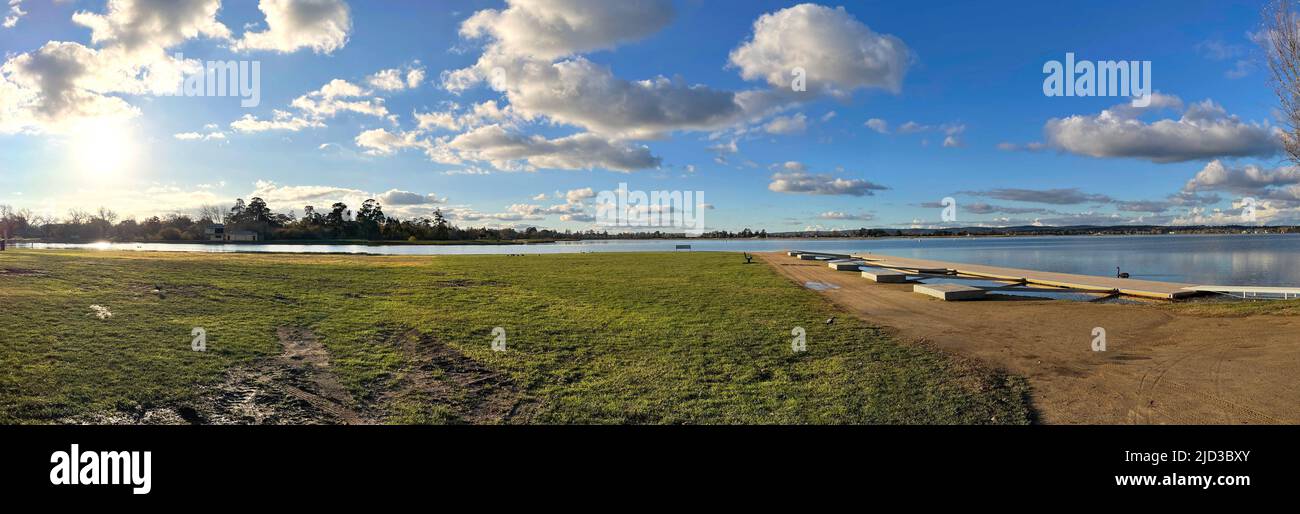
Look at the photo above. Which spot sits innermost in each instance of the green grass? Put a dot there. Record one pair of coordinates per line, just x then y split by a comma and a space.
593, 338
1238, 308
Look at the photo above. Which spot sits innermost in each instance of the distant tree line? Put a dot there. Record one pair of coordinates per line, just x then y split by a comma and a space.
370, 223
339, 222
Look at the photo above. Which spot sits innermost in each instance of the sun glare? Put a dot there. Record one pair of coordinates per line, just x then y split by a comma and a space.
103, 150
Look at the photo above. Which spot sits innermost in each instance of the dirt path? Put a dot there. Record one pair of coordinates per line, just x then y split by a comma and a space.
1159, 367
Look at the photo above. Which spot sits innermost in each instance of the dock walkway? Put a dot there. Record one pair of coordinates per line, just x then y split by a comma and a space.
1126, 286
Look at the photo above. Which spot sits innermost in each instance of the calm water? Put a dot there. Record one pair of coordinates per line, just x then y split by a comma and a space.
1260, 260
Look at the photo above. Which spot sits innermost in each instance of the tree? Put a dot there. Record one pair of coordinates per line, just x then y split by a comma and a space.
258, 212
369, 218
312, 218
440, 229
212, 213
1282, 44
237, 212
371, 211
337, 219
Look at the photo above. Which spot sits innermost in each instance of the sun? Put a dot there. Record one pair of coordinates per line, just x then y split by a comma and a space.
103, 149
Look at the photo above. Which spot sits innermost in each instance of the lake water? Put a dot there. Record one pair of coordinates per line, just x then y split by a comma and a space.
1239, 260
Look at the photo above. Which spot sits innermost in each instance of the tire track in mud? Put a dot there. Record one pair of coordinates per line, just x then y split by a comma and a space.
438, 375
295, 387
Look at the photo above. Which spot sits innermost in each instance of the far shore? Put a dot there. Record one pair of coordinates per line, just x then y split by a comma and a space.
494, 242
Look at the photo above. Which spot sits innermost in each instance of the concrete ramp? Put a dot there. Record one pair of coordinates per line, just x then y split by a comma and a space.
884, 276
949, 292
849, 265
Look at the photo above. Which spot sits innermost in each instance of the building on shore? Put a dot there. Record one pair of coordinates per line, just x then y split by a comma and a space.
219, 233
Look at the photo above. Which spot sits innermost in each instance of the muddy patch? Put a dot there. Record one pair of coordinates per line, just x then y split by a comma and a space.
438, 384
452, 386
163, 291
296, 387
465, 283
21, 272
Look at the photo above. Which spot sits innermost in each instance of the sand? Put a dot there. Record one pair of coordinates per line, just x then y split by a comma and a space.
1159, 367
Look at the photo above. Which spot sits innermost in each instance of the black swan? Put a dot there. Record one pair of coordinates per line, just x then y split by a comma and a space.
1120, 274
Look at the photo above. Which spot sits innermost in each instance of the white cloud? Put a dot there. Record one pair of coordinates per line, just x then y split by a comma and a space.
534, 58
63, 84
578, 195
549, 29
838, 52
397, 79
530, 35
821, 184
195, 136
281, 120
484, 113
507, 151
1279, 184
321, 25
913, 127
148, 28
787, 125
414, 77
383, 142
837, 215
1205, 131
15, 12
57, 87
340, 96
398, 197
581, 93
878, 125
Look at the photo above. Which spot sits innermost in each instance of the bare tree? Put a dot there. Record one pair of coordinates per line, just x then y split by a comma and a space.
106, 215
78, 216
1281, 39
213, 213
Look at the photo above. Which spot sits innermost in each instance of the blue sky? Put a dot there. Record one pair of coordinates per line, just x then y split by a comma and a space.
966, 75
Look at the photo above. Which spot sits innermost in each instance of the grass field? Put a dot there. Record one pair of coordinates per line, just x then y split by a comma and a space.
697, 338
1238, 309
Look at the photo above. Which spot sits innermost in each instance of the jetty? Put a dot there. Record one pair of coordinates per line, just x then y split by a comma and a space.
904, 270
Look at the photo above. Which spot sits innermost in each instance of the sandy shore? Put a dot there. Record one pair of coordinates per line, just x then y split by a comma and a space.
1160, 366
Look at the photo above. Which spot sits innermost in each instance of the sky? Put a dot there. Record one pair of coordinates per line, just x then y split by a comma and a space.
519, 113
